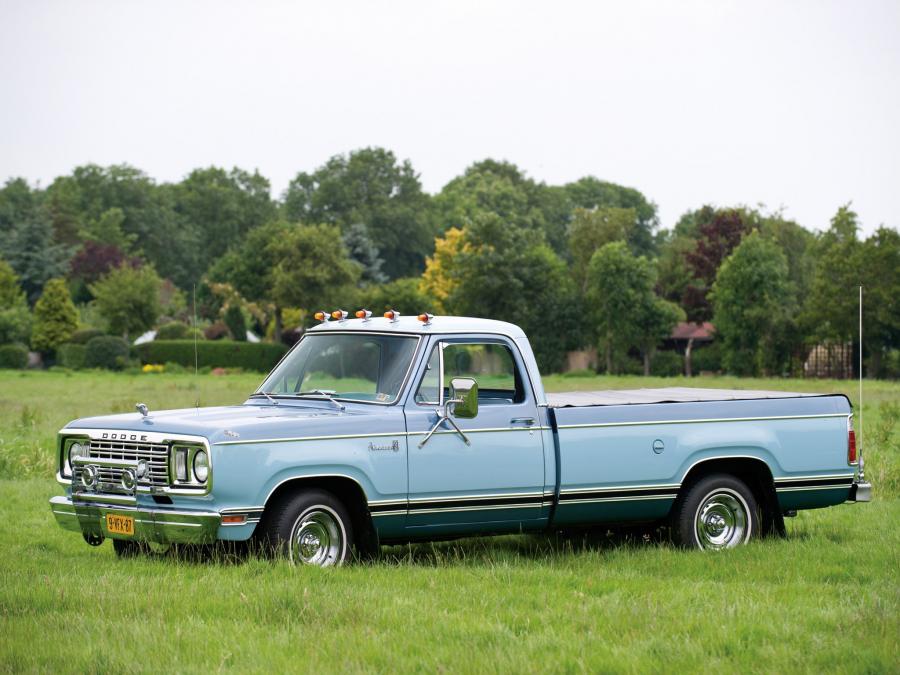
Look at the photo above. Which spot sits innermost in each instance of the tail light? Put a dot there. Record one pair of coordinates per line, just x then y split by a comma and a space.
851, 442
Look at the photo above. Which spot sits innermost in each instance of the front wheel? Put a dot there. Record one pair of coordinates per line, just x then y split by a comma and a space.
310, 527
717, 512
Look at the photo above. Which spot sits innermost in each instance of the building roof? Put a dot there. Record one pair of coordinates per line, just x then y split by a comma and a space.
411, 324
699, 331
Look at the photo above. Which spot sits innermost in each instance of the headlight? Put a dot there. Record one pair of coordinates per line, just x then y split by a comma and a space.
75, 450
201, 466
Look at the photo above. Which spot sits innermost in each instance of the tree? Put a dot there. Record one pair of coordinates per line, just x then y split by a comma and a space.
369, 187
312, 268
718, 234
107, 229
128, 299
55, 317
624, 307
237, 324
592, 193
750, 303
363, 250
438, 281
403, 295
15, 319
591, 230
508, 273
880, 262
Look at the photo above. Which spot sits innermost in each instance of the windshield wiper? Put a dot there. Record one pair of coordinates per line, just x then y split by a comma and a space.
326, 393
267, 394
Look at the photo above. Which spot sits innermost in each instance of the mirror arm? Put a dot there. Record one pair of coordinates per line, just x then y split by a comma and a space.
445, 418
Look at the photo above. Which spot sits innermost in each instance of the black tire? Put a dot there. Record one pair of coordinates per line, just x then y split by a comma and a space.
308, 527
128, 548
718, 511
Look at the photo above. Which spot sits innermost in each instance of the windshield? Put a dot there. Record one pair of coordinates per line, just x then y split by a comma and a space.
361, 367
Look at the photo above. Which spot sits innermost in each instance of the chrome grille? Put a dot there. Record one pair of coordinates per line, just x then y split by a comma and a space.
156, 455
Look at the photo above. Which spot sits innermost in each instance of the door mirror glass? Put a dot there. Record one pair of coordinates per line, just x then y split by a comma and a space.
464, 394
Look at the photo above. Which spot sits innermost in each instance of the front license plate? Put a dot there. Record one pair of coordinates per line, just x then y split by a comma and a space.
119, 524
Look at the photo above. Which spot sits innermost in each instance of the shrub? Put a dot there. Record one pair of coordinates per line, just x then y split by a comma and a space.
71, 355
260, 356
174, 330
667, 364
215, 331
237, 325
106, 351
13, 356
707, 359
85, 335
55, 317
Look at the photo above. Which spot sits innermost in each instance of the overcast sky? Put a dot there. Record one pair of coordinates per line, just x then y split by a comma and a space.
795, 105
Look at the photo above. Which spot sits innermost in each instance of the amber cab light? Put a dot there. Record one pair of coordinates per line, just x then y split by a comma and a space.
392, 315
339, 315
851, 442
425, 318
320, 316
363, 314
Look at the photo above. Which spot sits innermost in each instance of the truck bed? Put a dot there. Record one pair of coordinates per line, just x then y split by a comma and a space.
582, 399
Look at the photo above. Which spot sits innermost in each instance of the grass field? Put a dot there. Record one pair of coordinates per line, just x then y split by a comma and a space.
827, 598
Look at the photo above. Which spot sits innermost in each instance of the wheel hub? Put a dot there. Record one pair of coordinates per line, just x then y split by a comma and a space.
722, 521
317, 539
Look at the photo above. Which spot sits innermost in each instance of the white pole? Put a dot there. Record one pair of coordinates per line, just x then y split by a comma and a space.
859, 432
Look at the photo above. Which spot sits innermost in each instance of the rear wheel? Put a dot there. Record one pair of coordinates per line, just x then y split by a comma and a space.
310, 527
717, 512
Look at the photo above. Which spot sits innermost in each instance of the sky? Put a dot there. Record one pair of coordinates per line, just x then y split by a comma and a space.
794, 105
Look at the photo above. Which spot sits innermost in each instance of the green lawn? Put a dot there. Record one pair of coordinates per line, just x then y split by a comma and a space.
827, 598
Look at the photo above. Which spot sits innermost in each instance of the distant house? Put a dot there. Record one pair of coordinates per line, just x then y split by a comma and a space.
686, 336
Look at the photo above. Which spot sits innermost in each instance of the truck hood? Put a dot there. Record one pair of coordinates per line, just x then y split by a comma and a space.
248, 421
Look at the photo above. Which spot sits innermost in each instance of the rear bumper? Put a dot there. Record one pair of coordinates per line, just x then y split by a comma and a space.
164, 526
860, 492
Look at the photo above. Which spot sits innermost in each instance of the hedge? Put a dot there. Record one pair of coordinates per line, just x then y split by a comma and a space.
13, 356
85, 335
106, 351
667, 364
71, 355
259, 356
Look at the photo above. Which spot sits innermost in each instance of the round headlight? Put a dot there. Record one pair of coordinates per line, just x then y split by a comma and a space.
89, 476
76, 450
128, 480
201, 466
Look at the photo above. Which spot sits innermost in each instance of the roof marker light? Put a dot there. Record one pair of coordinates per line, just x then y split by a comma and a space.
363, 314
339, 314
392, 315
321, 316
425, 318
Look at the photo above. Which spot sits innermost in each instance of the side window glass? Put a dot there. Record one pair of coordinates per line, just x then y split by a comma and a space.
429, 392
492, 365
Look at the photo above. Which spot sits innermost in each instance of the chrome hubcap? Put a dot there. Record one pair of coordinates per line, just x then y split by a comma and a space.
317, 538
722, 521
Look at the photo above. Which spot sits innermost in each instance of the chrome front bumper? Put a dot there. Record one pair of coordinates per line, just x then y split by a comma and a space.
861, 492
164, 526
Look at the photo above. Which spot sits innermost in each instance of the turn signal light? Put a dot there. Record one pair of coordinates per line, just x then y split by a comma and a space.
339, 315
363, 314
425, 318
320, 316
233, 520
392, 315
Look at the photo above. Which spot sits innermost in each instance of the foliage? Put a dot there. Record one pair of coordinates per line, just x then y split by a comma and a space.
71, 355
368, 187
403, 295
55, 317
215, 331
106, 351
591, 231
259, 356
750, 298
625, 309
28, 246
438, 282
237, 324
312, 268
128, 299
707, 359
15, 318
173, 330
13, 356
363, 250
667, 364
84, 335
107, 229
880, 260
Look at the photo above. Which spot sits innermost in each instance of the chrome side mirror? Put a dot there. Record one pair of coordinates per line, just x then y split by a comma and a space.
464, 397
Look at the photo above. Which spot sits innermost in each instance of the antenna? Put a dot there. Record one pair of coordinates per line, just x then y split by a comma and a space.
859, 433
194, 303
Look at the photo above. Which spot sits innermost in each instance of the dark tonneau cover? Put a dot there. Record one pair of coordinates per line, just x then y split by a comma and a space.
580, 399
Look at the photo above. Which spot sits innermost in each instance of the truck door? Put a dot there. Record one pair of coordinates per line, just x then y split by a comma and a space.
494, 483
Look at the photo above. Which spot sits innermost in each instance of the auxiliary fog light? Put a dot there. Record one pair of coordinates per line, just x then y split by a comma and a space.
143, 469
89, 476
128, 480
201, 466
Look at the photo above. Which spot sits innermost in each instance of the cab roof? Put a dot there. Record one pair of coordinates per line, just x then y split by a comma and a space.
411, 324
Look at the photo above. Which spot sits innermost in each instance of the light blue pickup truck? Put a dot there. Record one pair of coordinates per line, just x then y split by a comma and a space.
396, 429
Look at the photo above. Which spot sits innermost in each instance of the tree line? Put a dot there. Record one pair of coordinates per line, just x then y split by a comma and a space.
584, 264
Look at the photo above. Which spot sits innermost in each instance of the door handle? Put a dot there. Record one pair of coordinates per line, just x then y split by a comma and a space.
527, 421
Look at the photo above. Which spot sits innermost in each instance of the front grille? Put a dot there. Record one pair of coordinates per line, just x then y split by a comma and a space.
156, 455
